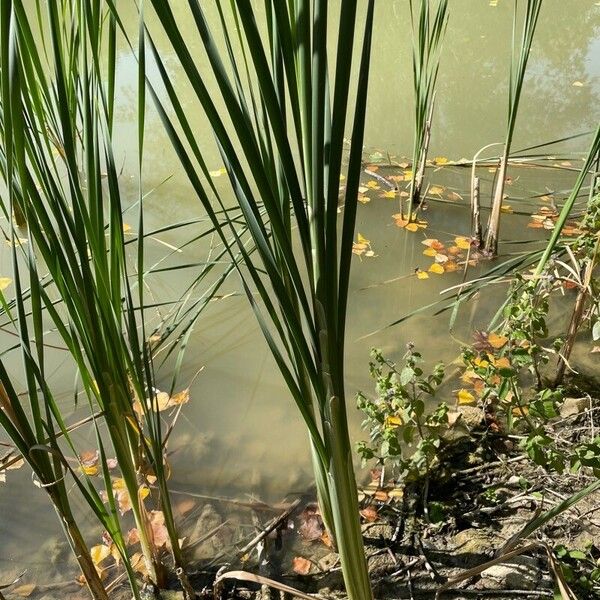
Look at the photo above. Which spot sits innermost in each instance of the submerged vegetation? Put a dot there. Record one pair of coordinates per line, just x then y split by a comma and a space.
453, 448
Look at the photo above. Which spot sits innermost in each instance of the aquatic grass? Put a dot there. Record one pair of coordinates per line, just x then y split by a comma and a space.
428, 32
59, 167
520, 52
283, 158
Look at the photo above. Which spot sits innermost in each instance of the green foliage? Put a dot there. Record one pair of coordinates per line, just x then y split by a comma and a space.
403, 433
581, 569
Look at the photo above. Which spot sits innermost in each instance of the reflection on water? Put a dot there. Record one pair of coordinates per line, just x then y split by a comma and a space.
241, 433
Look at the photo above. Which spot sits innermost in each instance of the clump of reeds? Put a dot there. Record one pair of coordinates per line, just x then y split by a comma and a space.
428, 31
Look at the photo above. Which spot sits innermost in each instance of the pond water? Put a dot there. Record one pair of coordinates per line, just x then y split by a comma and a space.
240, 435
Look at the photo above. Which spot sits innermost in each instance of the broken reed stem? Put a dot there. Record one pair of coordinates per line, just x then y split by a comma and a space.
421, 161
476, 231
493, 229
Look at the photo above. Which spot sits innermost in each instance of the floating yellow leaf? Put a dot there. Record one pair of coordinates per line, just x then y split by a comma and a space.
373, 185
462, 242
411, 227
450, 266
4, 283
362, 239
99, 553
436, 268
363, 199
441, 160
506, 208
126, 228
218, 172
182, 397
433, 243
520, 411
408, 175
422, 274
496, 341
390, 194
429, 252
436, 190
465, 397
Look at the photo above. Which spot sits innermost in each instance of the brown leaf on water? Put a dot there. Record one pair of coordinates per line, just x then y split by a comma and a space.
301, 565
133, 537
89, 462
160, 535
185, 506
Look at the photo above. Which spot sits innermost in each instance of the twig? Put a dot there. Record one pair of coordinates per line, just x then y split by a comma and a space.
271, 526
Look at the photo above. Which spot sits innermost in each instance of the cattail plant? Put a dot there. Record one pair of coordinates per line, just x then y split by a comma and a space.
428, 31
283, 156
518, 65
60, 171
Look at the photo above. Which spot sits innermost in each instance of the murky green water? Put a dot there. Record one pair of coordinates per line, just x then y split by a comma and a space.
240, 434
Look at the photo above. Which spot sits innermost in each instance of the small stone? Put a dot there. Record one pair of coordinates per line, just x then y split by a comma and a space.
171, 595
520, 573
329, 561
573, 406
208, 520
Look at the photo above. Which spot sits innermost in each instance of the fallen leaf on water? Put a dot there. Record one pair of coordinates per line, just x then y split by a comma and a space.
218, 172
301, 565
436, 190
133, 537
362, 189
429, 252
182, 397
363, 199
440, 160
465, 397
99, 553
433, 243
160, 535
462, 242
403, 165
577, 84
89, 462
139, 564
422, 274
390, 194
411, 227
436, 268
185, 506
373, 185
24, 591
4, 283
441, 258
450, 266
453, 196
506, 208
